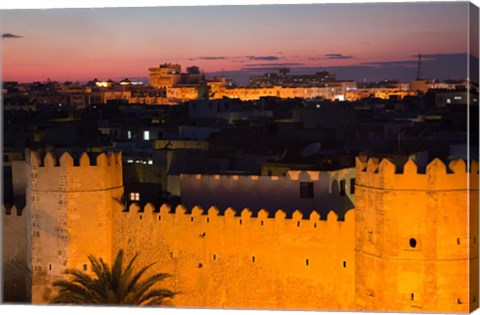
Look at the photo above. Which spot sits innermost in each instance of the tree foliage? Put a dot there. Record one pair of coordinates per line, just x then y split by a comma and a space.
111, 286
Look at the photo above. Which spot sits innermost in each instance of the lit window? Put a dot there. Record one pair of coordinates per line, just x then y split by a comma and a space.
150, 162
449, 101
129, 134
134, 196
457, 98
129, 161
146, 135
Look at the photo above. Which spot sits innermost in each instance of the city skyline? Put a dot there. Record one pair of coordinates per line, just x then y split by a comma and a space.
342, 38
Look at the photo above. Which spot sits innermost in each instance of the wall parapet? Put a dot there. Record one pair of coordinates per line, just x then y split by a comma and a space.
68, 172
12, 210
437, 176
199, 212
50, 159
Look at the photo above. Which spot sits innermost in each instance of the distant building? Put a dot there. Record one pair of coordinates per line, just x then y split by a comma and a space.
165, 75
284, 79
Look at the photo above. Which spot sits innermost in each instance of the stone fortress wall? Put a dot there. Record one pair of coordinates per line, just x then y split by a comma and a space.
408, 245
419, 231
70, 204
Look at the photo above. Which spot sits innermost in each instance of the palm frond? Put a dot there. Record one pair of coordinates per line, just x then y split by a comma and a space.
111, 285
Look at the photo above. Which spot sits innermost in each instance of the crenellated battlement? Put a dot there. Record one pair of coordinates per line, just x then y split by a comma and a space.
12, 211
66, 159
293, 175
437, 176
211, 214
79, 172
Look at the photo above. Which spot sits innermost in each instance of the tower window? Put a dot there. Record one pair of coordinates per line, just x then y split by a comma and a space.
306, 190
458, 241
85, 267
412, 296
253, 259
413, 243
344, 264
306, 262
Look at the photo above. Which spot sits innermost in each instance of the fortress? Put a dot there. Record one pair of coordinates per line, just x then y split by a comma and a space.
409, 243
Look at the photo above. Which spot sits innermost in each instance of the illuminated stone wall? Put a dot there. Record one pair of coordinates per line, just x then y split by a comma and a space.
243, 261
71, 209
412, 239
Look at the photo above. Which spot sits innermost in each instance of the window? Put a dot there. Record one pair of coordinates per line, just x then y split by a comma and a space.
146, 135
306, 190
129, 134
134, 196
85, 267
342, 187
344, 264
412, 296
352, 186
413, 243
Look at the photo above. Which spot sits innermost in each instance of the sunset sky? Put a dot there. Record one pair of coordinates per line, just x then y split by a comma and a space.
372, 39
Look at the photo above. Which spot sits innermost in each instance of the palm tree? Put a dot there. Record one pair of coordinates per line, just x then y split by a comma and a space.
111, 285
